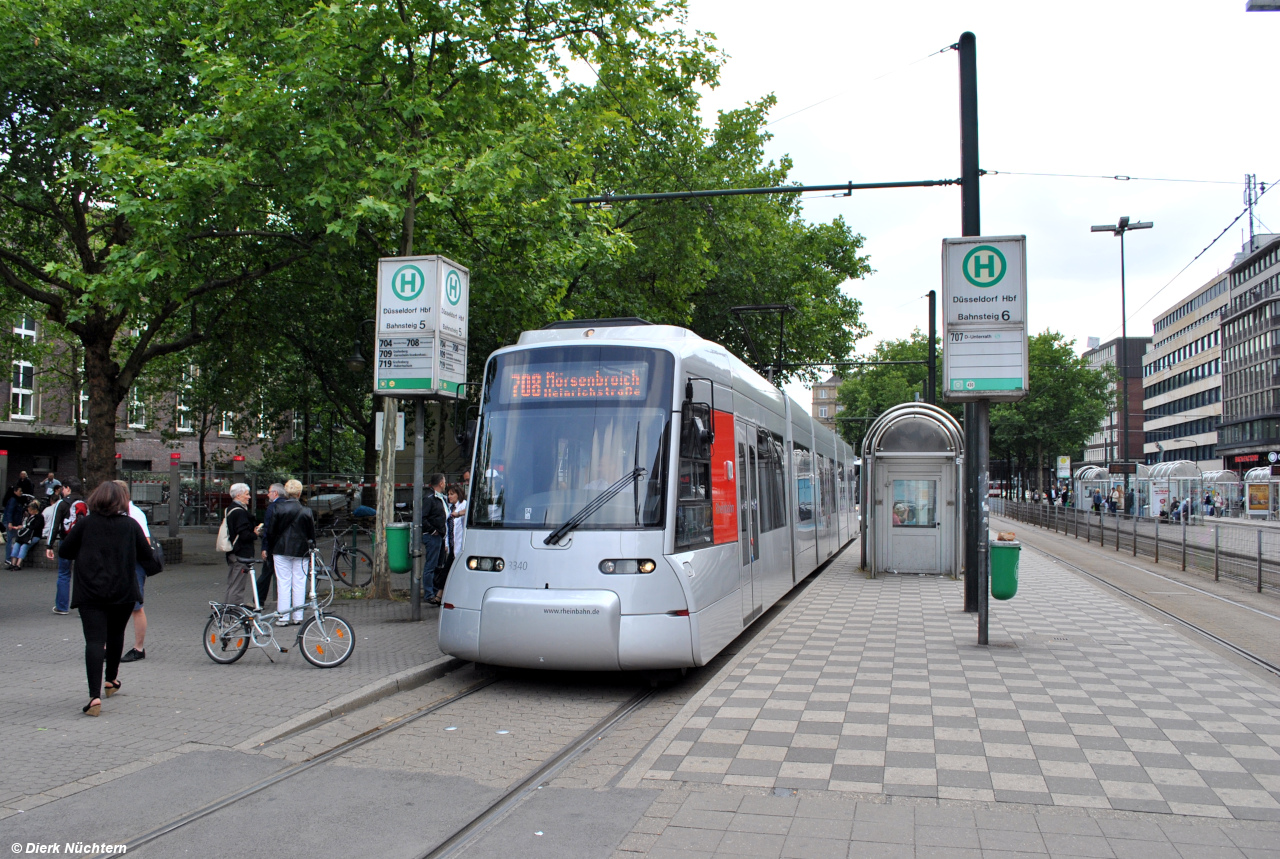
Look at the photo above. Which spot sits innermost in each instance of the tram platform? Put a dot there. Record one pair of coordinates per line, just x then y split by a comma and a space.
866, 720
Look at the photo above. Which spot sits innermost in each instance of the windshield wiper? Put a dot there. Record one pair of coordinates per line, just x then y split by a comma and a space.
593, 506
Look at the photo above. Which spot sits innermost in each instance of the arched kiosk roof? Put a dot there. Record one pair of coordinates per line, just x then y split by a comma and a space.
913, 428
1221, 477
1091, 472
1261, 474
1180, 470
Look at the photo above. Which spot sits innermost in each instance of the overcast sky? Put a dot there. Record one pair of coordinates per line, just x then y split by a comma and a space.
1172, 90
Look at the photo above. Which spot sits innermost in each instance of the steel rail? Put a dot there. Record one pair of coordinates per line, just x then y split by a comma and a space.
297, 769
1217, 639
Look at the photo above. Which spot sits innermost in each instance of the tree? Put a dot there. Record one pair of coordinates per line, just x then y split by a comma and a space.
869, 390
1066, 404
126, 197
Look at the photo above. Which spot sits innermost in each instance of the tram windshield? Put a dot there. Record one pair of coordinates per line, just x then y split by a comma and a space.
561, 424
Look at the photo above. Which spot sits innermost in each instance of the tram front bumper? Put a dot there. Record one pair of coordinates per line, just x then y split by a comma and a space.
530, 628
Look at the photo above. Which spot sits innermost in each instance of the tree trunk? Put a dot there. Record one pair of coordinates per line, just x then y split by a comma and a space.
380, 587
105, 396
1039, 468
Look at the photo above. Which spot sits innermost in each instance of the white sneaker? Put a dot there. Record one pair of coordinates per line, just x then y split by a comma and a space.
282, 622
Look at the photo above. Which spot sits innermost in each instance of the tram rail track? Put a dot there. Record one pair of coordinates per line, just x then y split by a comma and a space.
1242, 652
466, 835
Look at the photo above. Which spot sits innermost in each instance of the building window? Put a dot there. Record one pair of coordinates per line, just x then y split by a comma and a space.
22, 394
137, 410
227, 427
82, 406
822, 393
183, 414
822, 412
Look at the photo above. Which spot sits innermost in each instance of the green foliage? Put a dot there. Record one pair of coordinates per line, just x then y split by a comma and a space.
869, 391
1066, 404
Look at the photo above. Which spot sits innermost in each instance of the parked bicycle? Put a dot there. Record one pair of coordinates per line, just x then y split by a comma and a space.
353, 567
326, 640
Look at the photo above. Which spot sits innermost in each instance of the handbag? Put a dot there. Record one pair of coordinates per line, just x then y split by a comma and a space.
157, 552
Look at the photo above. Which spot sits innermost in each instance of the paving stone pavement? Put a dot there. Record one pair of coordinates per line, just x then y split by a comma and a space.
877, 687
176, 698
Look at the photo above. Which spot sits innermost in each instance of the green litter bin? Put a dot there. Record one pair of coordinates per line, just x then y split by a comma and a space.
1004, 568
398, 547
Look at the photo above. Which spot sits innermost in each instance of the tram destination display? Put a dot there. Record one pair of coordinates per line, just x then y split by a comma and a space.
610, 380
984, 297
421, 321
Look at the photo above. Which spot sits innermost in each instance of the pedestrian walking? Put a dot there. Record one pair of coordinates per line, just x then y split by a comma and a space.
274, 494
13, 511
27, 537
139, 650
107, 547
435, 516
240, 531
67, 511
289, 542
24, 483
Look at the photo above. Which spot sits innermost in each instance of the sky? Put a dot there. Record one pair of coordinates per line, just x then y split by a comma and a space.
1167, 90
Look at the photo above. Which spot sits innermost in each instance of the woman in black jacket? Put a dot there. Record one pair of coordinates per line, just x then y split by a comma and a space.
107, 546
289, 542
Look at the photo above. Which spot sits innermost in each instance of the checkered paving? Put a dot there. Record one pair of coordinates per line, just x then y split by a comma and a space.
879, 687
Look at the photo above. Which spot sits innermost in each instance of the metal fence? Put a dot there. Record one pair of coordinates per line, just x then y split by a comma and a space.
1223, 549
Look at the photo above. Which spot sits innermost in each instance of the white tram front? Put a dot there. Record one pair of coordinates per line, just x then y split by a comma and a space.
638, 497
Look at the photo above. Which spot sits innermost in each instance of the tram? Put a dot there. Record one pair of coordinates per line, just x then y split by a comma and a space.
639, 496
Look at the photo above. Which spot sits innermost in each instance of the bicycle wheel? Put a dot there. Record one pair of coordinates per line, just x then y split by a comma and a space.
327, 641
226, 637
357, 568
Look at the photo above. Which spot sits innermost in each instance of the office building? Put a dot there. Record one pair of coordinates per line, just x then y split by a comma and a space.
1182, 379
1126, 355
1250, 431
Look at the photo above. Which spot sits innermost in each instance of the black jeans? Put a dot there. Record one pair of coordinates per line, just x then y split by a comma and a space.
265, 579
103, 640
442, 571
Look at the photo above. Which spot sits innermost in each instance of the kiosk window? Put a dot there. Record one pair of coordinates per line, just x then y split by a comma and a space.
914, 503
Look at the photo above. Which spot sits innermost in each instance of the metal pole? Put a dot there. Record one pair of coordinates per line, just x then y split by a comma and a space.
175, 494
1135, 534
1118, 520
975, 414
931, 393
1124, 379
1157, 553
1184, 543
415, 538
1259, 560
1216, 529
982, 413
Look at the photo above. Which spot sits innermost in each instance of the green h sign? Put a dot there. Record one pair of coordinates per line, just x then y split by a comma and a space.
984, 266
408, 282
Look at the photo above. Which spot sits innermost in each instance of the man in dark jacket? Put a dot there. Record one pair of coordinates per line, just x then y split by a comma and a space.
240, 530
274, 494
70, 508
435, 519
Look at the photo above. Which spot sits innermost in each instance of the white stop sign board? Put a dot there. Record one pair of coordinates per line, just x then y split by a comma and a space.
422, 315
984, 328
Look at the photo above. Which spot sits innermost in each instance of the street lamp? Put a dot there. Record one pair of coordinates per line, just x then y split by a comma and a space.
1122, 227
356, 361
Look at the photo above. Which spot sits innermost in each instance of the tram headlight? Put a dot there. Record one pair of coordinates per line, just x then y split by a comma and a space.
627, 566
485, 565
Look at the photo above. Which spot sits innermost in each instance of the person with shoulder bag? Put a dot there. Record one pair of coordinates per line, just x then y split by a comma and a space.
107, 546
65, 515
435, 528
235, 538
139, 650
289, 542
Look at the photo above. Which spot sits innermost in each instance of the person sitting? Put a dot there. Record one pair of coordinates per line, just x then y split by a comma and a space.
28, 535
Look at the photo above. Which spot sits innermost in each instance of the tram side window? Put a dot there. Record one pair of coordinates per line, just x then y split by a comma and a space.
693, 501
773, 497
802, 461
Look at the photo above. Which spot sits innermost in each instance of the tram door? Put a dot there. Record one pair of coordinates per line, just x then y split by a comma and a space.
749, 574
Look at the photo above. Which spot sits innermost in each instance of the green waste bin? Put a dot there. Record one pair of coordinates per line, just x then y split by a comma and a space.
1004, 568
398, 547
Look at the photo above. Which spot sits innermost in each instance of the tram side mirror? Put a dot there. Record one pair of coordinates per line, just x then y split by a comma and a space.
695, 431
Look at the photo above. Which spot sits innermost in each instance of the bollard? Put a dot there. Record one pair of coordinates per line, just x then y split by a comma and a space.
1215, 551
1135, 536
1088, 528
1118, 532
1157, 552
1184, 544
1259, 560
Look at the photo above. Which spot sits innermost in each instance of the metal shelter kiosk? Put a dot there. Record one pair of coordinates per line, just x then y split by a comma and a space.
1222, 488
1261, 499
912, 492
1172, 483
1089, 479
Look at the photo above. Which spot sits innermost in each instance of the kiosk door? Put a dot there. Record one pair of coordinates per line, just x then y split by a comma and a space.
748, 522
916, 527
